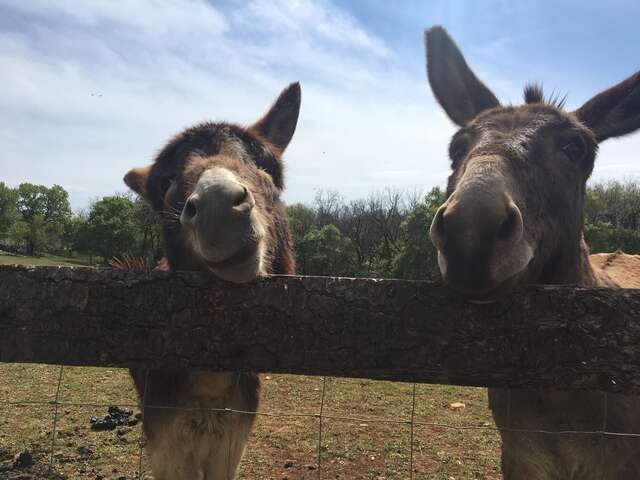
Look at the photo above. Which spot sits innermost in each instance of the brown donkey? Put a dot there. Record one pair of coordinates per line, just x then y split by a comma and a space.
513, 217
217, 187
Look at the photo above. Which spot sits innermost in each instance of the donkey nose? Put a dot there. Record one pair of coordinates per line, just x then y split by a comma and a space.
219, 215
190, 210
215, 201
477, 234
512, 227
465, 225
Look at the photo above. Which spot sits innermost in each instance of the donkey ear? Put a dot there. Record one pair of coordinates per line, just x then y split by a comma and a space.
615, 111
279, 123
136, 180
460, 93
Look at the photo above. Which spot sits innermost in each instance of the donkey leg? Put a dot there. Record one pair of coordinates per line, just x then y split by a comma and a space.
226, 452
174, 459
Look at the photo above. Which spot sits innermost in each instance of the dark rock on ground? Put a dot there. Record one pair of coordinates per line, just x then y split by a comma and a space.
115, 417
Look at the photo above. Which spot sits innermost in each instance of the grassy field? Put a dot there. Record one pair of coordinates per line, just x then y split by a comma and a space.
366, 431
46, 259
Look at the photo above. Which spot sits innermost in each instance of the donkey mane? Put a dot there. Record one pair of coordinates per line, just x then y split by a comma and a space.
206, 138
533, 93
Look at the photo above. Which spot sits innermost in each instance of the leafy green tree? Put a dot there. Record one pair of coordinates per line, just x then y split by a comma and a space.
8, 211
111, 228
149, 231
45, 211
74, 234
418, 258
612, 217
604, 237
18, 233
326, 252
302, 219
31, 207
57, 210
32, 234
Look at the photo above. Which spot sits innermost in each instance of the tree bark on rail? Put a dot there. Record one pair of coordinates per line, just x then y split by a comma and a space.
582, 338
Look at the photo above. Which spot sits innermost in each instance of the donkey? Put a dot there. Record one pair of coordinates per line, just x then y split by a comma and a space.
513, 216
217, 188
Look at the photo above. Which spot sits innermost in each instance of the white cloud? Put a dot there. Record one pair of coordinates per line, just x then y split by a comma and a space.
302, 19
618, 159
91, 90
152, 18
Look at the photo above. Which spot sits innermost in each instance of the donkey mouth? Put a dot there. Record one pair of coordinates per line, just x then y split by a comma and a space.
246, 253
244, 265
491, 293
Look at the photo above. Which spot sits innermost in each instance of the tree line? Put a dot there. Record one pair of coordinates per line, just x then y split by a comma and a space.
35, 219
383, 235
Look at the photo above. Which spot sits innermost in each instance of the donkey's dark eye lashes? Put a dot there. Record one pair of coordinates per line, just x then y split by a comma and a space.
575, 149
165, 182
458, 147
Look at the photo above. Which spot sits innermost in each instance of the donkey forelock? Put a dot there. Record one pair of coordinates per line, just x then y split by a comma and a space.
533, 93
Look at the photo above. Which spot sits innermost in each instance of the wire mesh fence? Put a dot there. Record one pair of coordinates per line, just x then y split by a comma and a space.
307, 427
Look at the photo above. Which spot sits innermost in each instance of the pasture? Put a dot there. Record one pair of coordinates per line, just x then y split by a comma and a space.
366, 431
365, 442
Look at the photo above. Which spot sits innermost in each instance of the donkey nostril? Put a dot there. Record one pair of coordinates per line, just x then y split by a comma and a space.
241, 198
436, 231
509, 227
439, 222
190, 210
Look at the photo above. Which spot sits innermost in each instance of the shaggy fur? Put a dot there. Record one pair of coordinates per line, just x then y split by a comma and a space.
199, 440
539, 156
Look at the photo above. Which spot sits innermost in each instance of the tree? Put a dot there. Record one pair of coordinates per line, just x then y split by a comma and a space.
418, 258
326, 252
57, 211
74, 234
8, 212
302, 219
31, 200
604, 237
612, 217
44, 212
111, 227
149, 231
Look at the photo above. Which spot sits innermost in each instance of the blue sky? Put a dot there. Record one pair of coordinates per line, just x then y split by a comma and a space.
92, 88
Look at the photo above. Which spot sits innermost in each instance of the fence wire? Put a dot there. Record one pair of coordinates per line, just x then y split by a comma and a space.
320, 415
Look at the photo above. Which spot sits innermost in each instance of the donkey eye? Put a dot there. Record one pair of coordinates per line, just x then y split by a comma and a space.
165, 183
458, 149
575, 149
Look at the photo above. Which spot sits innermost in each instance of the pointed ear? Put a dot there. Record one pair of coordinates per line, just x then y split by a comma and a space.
136, 180
279, 123
460, 93
615, 111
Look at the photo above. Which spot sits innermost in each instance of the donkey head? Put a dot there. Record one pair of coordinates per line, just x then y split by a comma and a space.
217, 187
514, 209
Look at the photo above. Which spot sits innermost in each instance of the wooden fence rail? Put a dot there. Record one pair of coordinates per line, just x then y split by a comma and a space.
582, 338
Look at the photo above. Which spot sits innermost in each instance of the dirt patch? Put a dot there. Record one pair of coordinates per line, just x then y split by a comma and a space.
366, 431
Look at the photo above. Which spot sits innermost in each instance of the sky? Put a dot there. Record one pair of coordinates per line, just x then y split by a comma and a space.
91, 88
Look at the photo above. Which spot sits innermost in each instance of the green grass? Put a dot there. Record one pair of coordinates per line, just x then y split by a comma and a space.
46, 260
366, 432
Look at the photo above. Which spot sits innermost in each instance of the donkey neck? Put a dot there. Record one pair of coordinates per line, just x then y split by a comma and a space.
571, 266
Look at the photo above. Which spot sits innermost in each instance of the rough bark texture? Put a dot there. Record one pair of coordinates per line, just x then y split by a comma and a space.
413, 331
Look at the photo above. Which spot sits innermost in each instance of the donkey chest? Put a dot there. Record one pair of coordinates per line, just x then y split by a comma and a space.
204, 403
554, 434
556, 410
203, 436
